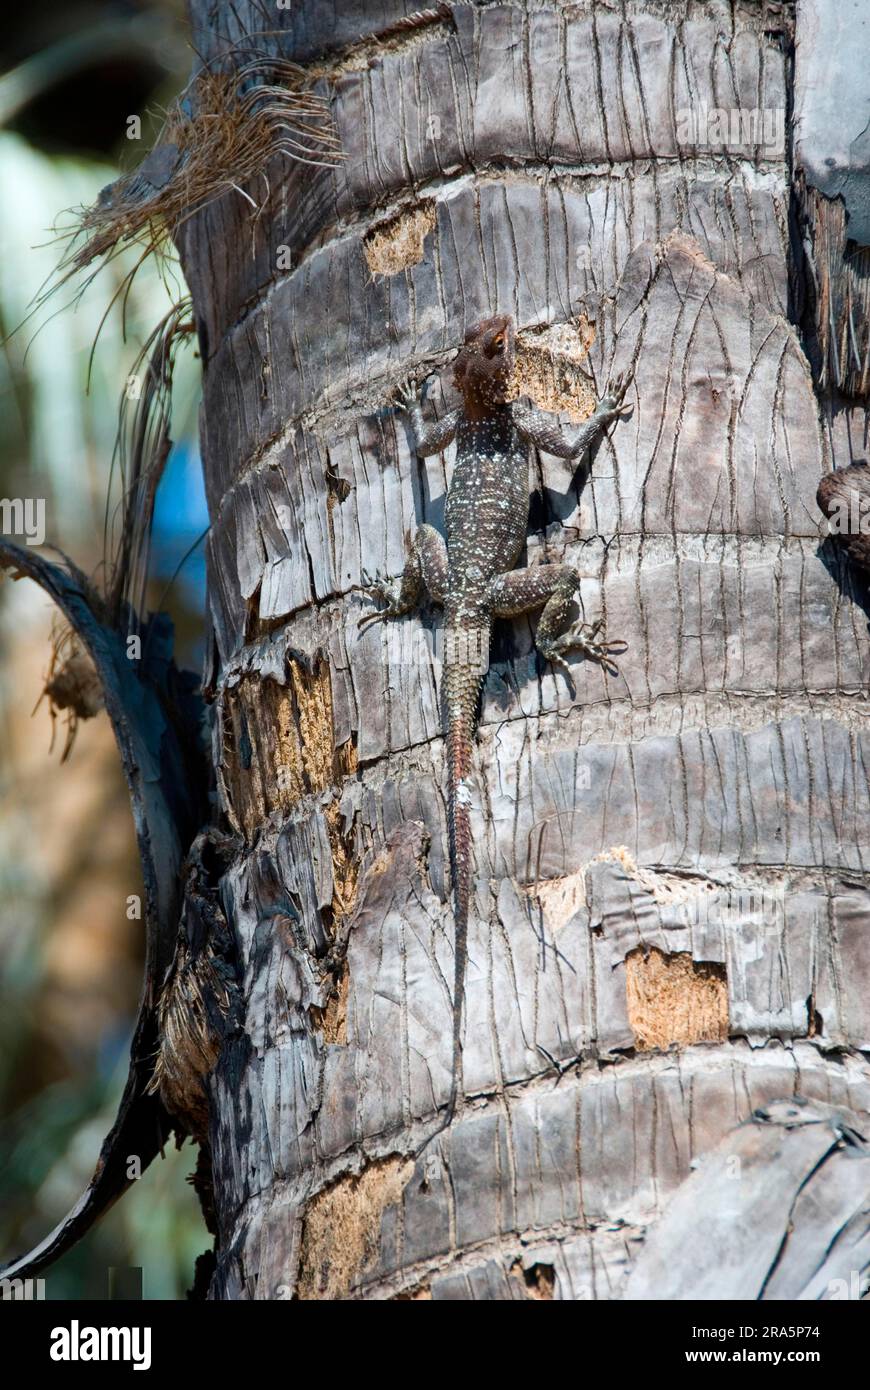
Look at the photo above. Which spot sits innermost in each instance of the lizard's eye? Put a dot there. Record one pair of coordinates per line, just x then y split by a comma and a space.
497, 345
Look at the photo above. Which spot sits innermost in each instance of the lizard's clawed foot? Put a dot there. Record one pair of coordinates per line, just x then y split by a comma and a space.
583, 638
406, 395
379, 590
611, 404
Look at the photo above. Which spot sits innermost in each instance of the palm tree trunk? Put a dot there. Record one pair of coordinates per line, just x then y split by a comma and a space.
668, 930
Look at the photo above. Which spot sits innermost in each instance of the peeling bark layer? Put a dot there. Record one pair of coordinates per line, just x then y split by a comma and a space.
832, 157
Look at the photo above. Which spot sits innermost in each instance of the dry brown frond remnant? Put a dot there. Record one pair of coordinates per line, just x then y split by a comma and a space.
397, 244
675, 999
343, 1225
190, 1035
72, 685
219, 135
142, 447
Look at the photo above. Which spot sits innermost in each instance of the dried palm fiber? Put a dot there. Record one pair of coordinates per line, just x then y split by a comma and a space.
218, 136
193, 1006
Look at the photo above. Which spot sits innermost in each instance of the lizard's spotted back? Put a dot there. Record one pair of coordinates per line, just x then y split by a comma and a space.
487, 507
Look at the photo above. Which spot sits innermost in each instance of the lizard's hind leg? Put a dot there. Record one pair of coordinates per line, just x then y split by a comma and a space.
553, 587
425, 572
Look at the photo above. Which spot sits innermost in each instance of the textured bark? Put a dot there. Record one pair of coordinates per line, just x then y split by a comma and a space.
525, 159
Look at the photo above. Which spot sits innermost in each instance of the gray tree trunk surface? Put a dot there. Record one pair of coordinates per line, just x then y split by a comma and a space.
665, 1071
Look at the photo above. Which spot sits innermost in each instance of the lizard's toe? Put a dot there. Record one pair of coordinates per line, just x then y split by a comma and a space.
375, 587
583, 638
368, 619
613, 402
406, 395
603, 652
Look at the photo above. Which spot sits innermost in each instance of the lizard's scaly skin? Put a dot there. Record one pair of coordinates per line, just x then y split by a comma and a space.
486, 522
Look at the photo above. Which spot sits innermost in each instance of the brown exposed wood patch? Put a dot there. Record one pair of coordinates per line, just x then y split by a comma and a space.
397, 244
262, 753
549, 367
342, 1228
312, 691
346, 759
675, 999
278, 743
278, 748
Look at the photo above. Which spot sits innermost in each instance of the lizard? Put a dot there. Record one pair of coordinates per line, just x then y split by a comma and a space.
471, 573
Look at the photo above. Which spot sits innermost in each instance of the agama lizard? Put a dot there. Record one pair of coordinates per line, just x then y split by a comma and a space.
471, 574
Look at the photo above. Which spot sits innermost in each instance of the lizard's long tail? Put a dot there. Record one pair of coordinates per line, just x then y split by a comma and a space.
462, 681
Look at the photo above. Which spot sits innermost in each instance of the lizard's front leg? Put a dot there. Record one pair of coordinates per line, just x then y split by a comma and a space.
425, 572
536, 429
552, 587
428, 439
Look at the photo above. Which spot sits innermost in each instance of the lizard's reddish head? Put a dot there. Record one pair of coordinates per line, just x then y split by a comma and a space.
483, 366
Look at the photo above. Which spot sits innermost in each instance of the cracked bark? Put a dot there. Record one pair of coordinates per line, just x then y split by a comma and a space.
621, 1025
